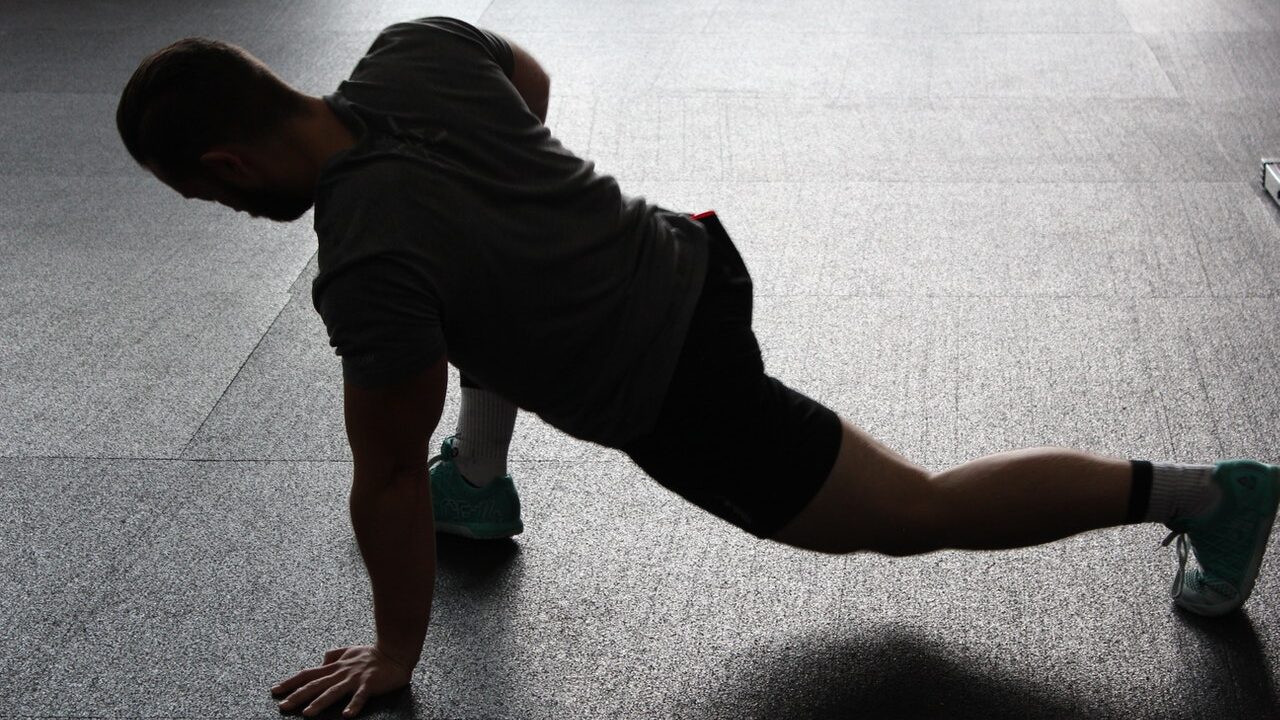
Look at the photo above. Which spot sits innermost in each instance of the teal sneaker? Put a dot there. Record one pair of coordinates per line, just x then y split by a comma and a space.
1229, 541
461, 508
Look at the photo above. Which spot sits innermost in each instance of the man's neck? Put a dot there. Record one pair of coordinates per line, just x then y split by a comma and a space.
322, 133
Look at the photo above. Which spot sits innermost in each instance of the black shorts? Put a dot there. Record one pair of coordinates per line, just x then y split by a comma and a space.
729, 438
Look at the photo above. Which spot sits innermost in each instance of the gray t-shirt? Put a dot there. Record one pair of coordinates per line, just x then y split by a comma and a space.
459, 227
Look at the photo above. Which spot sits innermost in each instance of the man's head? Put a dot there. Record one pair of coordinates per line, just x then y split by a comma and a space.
214, 123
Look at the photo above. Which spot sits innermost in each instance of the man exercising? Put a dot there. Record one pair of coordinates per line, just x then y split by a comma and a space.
453, 227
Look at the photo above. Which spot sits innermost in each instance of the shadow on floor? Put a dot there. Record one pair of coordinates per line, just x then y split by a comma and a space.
1238, 669
896, 672
475, 563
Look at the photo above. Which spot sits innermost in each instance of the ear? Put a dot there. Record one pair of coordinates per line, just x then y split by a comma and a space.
229, 167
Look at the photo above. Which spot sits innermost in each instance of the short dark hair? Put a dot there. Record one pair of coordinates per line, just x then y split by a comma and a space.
196, 93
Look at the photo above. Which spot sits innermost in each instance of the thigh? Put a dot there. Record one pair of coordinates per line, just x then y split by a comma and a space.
868, 500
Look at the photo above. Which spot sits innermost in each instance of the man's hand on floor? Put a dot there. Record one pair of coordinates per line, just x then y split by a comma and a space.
362, 672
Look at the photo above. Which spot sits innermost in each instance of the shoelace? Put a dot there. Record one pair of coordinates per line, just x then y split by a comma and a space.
1218, 585
1182, 559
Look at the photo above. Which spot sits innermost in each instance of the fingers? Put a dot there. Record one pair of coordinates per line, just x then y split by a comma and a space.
328, 697
300, 679
310, 674
357, 701
309, 691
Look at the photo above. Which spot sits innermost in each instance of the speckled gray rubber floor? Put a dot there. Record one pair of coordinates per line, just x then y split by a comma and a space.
973, 225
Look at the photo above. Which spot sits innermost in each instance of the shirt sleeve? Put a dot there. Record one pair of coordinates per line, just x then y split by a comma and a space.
383, 321
492, 43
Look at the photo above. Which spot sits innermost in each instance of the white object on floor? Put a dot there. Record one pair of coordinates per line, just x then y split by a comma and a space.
1271, 177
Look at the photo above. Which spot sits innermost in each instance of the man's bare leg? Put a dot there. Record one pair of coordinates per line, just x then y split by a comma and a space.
877, 500
874, 499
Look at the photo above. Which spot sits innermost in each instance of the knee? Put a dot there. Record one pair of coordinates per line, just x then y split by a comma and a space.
910, 531
915, 525
906, 516
912, 524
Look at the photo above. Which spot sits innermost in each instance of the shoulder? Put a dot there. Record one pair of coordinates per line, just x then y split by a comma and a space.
375, 211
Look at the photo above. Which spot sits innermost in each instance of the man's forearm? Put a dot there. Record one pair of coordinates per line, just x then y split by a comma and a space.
394, 527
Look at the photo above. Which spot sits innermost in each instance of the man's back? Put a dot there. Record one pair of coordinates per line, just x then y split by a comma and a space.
459, 226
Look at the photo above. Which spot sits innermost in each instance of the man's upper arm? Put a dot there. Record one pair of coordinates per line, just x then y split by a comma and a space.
525, 69
530, 80
389, 426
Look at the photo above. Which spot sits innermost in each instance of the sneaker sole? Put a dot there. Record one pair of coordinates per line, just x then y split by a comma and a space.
1260, 542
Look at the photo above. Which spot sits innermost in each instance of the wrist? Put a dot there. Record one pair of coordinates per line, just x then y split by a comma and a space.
403, 661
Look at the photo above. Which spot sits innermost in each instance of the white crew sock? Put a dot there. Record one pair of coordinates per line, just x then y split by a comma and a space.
1181, 491
485, 424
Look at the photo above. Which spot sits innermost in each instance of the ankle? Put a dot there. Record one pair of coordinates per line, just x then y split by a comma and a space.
1173, 491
